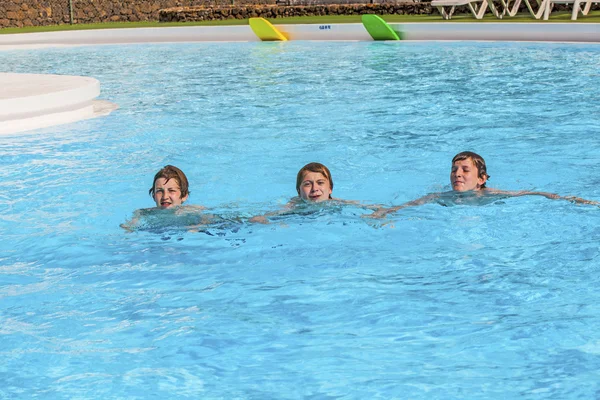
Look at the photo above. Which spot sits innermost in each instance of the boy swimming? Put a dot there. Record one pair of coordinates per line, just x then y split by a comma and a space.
170, 190
468, 178
314, 184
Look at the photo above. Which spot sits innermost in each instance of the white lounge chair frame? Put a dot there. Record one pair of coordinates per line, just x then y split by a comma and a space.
542, 5
477, 7
545, 7
507, 9
577, 7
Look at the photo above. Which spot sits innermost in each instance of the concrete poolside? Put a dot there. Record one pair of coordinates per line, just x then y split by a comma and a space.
543, 31
30, 101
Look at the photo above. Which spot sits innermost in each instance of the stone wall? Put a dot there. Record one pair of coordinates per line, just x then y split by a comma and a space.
19, 13
186, 14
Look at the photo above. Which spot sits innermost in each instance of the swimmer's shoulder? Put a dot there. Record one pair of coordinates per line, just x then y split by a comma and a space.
343, 201
193, 208
493, 191
189, 209
141, 212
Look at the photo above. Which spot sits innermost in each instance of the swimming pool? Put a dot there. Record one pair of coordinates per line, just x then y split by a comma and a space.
496, 301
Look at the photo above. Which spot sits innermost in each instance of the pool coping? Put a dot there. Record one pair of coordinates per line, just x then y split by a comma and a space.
49, 103
554, 32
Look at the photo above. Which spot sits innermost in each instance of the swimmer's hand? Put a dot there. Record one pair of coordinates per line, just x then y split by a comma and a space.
382, 212
132, 224
127, 227
259, 219
374, 207
579, 200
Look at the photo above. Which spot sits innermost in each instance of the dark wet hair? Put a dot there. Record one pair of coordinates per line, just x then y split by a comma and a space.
313, 167
171, 172
477, 160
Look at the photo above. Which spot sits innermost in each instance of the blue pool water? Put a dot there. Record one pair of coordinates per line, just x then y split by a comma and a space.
492, 301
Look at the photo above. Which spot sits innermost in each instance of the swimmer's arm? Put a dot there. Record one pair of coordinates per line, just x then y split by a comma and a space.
359, 204
551, 196
195, 208
342, 201
382, 212
130, 225
264, 219
579, 200
189, 209
205, 221
519, 193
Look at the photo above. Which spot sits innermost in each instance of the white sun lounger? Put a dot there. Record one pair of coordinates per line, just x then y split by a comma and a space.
477, 7
509, 10
544, 7
577, 7
541, 8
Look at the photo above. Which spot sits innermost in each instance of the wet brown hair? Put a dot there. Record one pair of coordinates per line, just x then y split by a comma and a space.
478, 161
171, 172
313, 167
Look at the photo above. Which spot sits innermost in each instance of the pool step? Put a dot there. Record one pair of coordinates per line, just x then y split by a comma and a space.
32, 101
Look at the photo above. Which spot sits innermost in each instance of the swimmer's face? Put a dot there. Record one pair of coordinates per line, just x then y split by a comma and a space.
167, 194
464, 176
314, 187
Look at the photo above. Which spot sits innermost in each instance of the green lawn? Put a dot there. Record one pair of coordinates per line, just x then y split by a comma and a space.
593, 16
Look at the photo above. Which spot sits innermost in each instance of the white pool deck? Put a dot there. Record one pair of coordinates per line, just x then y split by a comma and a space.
30, 101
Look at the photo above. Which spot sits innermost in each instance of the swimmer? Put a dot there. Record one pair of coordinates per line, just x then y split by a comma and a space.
468, 178
314, 184
170, 189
